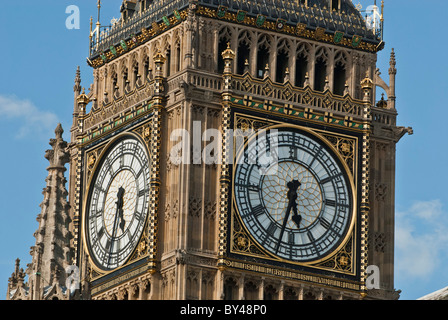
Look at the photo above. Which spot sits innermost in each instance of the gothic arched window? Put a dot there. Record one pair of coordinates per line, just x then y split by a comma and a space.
263, 56
302, 55
243, 51
340, 73
282, 61
225, 36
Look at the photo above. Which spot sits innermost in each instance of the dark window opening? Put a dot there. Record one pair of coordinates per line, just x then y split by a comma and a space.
146, 69
301, 69
282, 65
339, 79
262, 61
178, 54
320, 74
168, 62
243, 55
335, 5
135, 75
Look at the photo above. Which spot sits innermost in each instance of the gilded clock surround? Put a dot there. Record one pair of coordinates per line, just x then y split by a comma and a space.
94, 158
344, 258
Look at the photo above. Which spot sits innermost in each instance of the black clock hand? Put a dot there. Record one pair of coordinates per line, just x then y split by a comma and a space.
295, 184
118, 215
292, 197
285, 221
120, 204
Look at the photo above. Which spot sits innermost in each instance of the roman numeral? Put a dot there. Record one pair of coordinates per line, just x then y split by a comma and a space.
326, 180
99, 188
293, 153
258, 210
142, 192
271, 229
250, 187
138, 215
310, 236
253, 188
316, 155
325, 223
100, 233
107, 246
99, 213
291, 238
331, 203
140, 172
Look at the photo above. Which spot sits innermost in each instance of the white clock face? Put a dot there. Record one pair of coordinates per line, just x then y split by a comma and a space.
299, 208
118, 204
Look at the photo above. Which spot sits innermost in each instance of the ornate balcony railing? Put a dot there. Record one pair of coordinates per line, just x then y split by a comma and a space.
104, 37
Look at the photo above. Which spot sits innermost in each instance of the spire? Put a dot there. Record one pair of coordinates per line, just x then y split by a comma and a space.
58, 155
52, 253
392, 76
16, 285
77, 87
77, 92
392, 63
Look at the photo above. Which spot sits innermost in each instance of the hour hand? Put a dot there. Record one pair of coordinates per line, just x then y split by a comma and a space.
297, 218
120, 203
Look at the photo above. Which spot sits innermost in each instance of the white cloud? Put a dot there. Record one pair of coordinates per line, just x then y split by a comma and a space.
33, 121
421, 239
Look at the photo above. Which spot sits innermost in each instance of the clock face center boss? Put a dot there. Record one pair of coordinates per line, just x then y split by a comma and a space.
117, 205
300, 207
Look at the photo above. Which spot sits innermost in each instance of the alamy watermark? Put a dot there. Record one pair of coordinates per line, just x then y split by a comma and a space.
72, 282
373, 278
73, 21
206, 146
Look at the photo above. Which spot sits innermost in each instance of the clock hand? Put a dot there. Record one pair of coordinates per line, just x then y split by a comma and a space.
118, 215
120, 204
285, 221
295, 217
292, 196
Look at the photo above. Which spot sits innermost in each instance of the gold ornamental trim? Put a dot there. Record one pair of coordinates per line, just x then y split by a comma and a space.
291, 274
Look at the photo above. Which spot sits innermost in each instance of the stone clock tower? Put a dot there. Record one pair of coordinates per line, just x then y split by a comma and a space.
234, 150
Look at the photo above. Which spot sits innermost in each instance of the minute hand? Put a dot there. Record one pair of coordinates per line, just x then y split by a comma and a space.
285, 221
114, 233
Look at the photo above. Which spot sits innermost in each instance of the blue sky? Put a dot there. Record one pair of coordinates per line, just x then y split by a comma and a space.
38, 59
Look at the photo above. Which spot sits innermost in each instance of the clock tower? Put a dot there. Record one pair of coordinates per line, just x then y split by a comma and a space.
235, 150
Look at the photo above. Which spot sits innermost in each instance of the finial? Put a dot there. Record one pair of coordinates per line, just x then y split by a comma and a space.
286, 79
77, 87
346, 90
392, 63
367, 83
59, 131
327, 84
159, 58
83, 99
17, 267
367, 86
266, 71
307, 80
99, 11
57, 155
228, 54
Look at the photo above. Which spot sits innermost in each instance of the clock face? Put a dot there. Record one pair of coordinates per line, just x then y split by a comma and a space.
298, 207
118, 204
